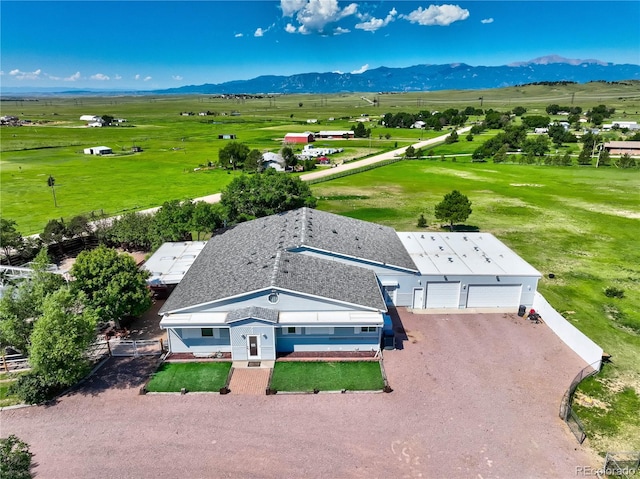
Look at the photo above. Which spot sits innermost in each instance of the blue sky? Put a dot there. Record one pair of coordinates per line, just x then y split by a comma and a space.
160, 44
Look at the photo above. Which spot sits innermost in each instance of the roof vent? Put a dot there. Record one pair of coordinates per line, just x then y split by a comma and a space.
450, 259
441, 248
335, 231
476, 248
465, 238
488, 260
433, 238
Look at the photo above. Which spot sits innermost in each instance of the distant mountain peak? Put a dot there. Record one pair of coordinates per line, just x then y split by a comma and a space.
550, 59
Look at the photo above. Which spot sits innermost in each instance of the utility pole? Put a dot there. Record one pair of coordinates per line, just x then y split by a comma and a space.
51, 182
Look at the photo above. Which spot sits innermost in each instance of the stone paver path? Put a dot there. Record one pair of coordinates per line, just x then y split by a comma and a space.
249, 381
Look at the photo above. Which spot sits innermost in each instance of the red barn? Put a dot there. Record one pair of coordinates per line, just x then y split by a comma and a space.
306, 137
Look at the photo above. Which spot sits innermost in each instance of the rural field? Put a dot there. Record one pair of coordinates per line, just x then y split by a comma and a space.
579, 223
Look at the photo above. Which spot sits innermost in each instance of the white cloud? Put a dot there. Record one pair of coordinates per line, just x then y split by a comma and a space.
259, 32
20, 75
238, 35
147, 78
99, 77
486, 20
74, 77
442, 15
177, 77
117, 77
338, 72
314, 16
340, 31
373, 24
137, 77
360, 70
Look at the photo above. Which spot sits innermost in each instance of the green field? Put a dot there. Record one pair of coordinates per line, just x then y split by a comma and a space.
174, 146
327, 376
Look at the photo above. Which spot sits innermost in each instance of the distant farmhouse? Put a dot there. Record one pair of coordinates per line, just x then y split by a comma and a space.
92, 120
631, 148
98, 150
306, 137
227, 136
622, 125
308, 280
273, 160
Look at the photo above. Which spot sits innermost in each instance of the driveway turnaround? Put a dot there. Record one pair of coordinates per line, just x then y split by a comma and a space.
475, 396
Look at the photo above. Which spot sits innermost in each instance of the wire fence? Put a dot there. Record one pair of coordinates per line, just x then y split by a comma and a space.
567, 414
341, 174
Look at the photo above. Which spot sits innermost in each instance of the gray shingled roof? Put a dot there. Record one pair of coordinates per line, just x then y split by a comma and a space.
256, 312
254, 255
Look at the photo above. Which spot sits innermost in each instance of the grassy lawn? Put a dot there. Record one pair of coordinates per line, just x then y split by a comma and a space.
579, 223
172, 377
327, 376
6, 380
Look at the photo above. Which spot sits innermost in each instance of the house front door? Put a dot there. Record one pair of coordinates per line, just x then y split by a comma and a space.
253, 346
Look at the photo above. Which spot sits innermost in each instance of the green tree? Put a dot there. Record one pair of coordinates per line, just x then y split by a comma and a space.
454, 208
22, 304
15, 458
501, 154
206, 218
131, 231
255, 196
584, 158
233, 155
54, 233
253, 163
519, 111
79, 227
410, 152
289, 156
114, 286
172, 222
452, 138
60, 338
10, 238
538, 146
360, 131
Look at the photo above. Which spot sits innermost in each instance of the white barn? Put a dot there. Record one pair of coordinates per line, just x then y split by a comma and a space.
98, 150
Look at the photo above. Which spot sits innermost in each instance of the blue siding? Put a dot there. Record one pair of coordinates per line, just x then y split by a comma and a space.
195, 344
342, 339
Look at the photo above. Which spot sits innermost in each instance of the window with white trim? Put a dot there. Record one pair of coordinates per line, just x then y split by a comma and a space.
368, 329
291, 330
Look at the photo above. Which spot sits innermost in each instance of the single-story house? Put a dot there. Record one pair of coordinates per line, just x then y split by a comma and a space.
629, 125
339, 134
631, 148
227, 136
306, 137
308, 280
273, 160
98, 150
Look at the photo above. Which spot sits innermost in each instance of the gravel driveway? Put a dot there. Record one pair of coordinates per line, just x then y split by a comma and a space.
475, 396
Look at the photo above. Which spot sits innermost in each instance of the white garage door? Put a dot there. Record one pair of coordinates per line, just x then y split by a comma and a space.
443, 295
503, 296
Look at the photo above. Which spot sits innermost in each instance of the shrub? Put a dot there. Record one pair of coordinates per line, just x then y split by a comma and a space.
613, 292
15, 458
422, 222
33, 388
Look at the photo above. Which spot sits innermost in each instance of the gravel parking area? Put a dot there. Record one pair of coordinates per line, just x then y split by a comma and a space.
475, 396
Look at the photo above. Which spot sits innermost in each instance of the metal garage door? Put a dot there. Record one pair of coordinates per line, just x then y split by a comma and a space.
503, 296
443, 295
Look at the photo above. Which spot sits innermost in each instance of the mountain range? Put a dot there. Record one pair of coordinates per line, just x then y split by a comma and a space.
453, 76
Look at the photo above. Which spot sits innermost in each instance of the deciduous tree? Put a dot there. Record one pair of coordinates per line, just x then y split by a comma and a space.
114, 286
254, 196
10, 238
60, 338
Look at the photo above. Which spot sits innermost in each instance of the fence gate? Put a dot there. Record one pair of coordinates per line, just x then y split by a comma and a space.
125, 347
